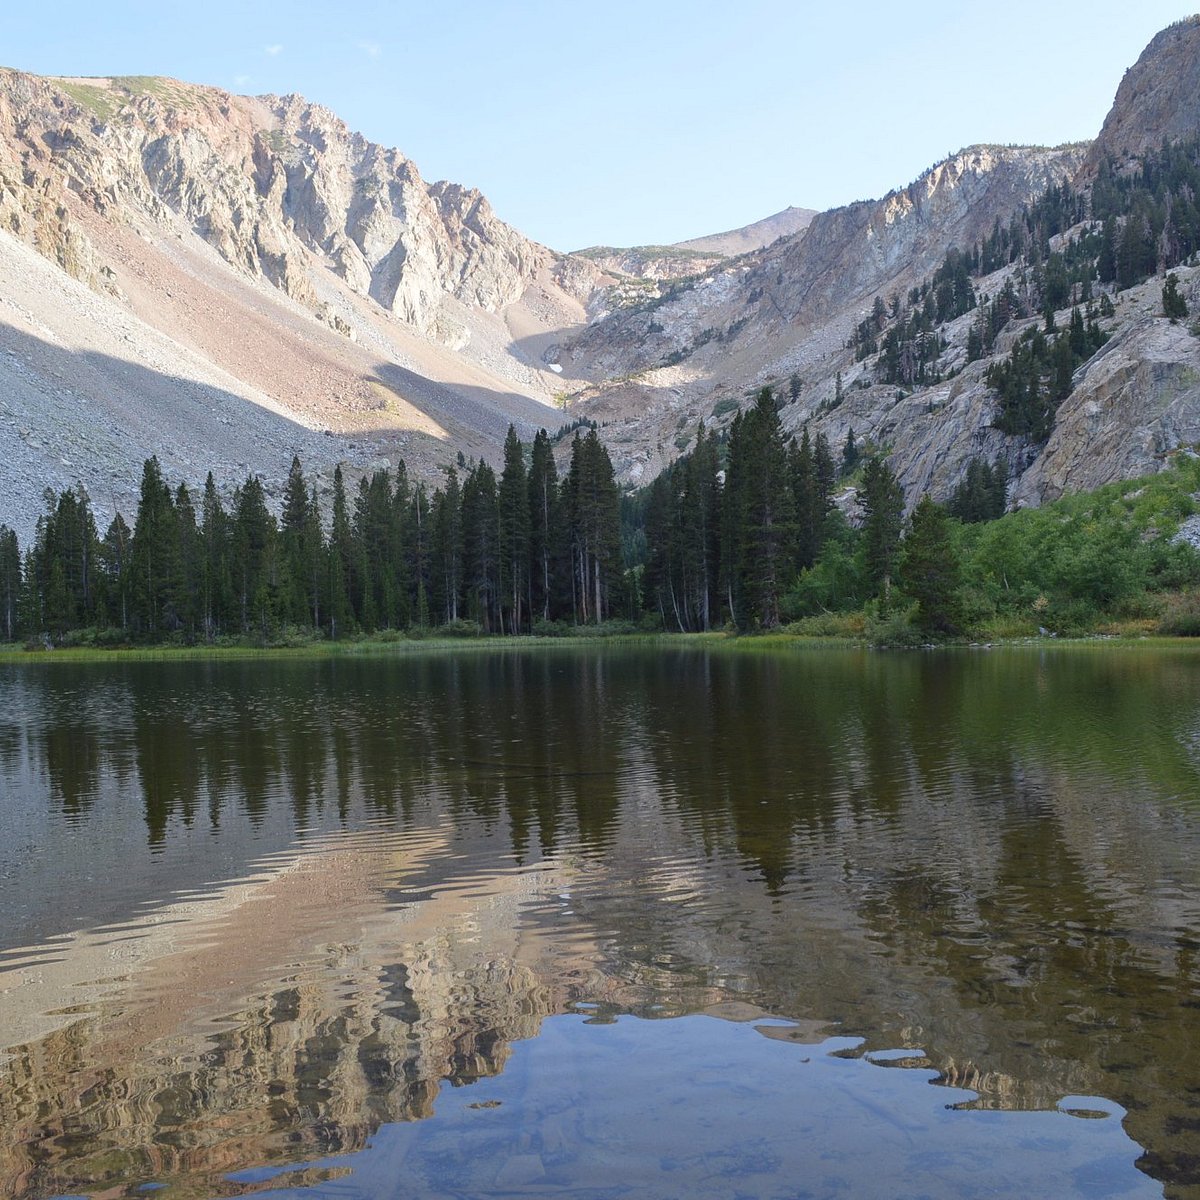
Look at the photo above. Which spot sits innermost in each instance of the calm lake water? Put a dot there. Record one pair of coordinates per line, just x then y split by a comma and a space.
614, 922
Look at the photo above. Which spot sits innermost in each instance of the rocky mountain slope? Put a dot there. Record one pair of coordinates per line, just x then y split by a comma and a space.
697, 255
307, 281
755, 236
790, 308
786, 315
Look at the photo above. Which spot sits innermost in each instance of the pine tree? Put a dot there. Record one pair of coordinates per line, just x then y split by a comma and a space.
448, 547
593, 527
1173, 303
117, 568
701, 509
850, 453
10, 583
481, 546
761, 514
545, 530
155, 555
810, 507
513, 500
826, 471
930, 572
297, 557
216, 590
418, 540
341, 557
190, 561
253, 558
881, 499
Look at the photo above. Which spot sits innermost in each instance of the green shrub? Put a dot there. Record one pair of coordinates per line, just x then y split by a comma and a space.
544, 628
462, 628
828, 625
1182, 616
894, 628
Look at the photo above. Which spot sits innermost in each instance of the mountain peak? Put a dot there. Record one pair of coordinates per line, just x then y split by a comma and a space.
1158, 99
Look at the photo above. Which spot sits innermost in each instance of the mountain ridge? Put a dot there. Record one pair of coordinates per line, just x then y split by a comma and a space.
305, 271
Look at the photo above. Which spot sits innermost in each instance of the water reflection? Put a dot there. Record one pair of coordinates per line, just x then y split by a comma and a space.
987, 857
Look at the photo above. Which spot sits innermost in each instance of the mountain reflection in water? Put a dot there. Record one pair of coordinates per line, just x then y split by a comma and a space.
255, 914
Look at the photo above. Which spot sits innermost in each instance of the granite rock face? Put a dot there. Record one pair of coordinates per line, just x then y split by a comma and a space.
263, 180
1158, 100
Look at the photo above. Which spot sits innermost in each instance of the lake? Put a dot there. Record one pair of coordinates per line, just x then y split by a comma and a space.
613, 921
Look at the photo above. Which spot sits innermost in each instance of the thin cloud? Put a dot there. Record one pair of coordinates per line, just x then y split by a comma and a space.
276, 48
371, 49
241, 80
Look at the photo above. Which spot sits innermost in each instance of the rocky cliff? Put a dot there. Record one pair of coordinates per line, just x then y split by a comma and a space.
789, 309
1158, 99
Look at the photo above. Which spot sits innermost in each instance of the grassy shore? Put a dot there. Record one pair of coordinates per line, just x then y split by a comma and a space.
786, 639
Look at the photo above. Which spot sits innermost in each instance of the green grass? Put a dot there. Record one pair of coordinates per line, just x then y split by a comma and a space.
106, 102
365, 648
102, 102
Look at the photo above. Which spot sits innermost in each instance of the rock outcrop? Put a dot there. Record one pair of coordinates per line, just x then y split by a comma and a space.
1157, 101
312, 277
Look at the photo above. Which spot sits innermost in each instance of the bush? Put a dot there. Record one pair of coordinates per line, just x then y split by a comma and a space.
462, 628
829, 625
605, 629
1182, 616
543, 628
295, 636
1070, 616
894, 629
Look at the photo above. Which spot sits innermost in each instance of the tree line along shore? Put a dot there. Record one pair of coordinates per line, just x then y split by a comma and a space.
754, 531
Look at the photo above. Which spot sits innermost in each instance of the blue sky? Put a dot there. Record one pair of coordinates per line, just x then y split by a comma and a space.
623, 122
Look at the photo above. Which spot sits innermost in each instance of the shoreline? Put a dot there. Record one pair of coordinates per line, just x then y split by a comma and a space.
403, 647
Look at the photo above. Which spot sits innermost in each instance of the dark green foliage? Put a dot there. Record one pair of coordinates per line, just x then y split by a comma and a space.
546, 535
930, 572
910, 348
154, 556
481, 547
252, 553
881, 499
513, 501
216, 590
838, 579
447, 542
682, 525
10, 584
850, 453
1173, 304
116, 570
951, 284
760, 515
593, 530
1150, 215
1036, 377
494, 553
981, 495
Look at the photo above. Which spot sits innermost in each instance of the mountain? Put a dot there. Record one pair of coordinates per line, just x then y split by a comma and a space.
1158, 99
682, 259
755, 236
693, 353
225, 281
789, 316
